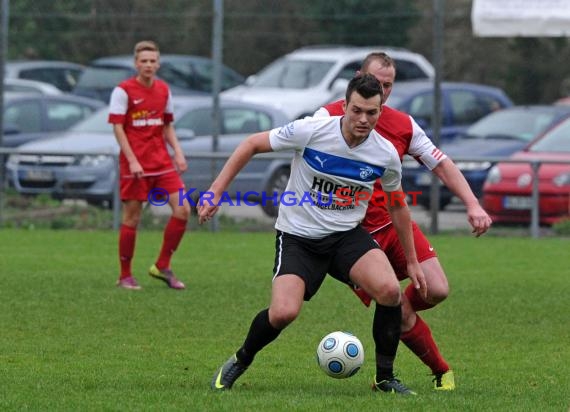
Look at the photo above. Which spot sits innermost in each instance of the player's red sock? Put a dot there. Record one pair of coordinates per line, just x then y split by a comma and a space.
415, 299
420, 341
127, 238
173, 233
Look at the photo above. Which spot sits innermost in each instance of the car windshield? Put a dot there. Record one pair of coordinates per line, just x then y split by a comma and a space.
195, 75
98, 122
187, 75
557, 140
293, 74
522, 125
103, 77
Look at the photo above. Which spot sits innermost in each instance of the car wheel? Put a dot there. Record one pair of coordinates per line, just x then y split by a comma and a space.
277, 183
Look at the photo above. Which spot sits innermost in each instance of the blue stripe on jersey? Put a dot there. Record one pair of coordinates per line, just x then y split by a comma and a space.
342, 167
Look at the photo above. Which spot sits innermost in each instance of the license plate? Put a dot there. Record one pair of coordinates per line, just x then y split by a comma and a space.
517, 202
39, 175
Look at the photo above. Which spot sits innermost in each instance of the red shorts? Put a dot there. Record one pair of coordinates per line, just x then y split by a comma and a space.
387, 239
139, 188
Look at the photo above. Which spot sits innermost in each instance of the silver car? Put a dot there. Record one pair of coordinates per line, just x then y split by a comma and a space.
81, 164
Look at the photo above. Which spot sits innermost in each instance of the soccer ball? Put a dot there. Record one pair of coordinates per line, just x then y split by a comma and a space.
340, 354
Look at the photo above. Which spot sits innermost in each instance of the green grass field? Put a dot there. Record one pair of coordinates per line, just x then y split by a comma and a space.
70, 340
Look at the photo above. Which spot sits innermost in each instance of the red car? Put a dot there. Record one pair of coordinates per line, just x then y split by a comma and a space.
508, 188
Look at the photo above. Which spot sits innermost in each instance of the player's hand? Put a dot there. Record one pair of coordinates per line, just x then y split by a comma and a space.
416, 275
136, 169
478, 219
207, 208
206, 212
180, 162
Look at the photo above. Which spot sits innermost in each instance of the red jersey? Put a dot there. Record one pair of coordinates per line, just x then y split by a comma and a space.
408, 138
143, 112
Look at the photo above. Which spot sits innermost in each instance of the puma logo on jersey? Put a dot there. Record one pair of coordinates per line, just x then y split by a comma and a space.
322, 162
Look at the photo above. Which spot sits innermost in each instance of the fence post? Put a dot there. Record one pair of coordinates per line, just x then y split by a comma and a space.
116, 197
535, 215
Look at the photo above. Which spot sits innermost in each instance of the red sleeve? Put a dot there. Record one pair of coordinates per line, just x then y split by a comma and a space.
168, 118
116, 118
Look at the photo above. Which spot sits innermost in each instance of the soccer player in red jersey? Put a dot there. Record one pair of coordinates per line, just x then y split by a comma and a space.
141, 114
408, 138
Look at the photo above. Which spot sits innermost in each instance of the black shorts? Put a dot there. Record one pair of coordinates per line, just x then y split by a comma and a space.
312, 259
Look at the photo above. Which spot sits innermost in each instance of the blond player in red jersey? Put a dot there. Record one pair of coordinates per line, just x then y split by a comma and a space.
408, 138
141, 113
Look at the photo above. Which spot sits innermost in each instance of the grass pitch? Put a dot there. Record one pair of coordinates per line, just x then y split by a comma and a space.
70, 340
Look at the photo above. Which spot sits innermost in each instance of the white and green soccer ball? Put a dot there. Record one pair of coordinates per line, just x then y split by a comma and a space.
340, 354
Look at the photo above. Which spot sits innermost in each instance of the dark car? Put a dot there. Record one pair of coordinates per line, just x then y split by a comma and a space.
462, 104
185, 74
508, 188
499, 134
33, 116
61, 74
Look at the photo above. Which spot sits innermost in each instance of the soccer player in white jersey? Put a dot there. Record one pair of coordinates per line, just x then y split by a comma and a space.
336, 162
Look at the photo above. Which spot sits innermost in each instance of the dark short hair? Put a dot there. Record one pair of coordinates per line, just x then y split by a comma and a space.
365, 85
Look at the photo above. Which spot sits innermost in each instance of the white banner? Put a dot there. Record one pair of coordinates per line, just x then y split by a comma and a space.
522, 18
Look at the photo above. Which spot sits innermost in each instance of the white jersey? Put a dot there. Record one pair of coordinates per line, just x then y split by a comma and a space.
330, 183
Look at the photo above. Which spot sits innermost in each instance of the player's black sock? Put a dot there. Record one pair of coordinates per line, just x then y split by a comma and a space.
386, 329
260, 334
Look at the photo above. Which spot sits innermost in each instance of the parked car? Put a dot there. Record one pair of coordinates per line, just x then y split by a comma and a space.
307, 78
33, 116
462, 104
500, 134
61, 74
507, 191
185, 74
30, 86
93, 176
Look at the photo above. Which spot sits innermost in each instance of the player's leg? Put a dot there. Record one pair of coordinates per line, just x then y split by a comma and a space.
375, 275
132, 210
384, 238
286, 301
174, 230
298, 274
366, 265
416, 334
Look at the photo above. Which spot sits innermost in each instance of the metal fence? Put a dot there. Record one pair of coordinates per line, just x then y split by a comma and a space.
534, 164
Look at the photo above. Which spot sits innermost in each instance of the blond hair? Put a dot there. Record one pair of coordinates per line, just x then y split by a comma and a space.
145, 45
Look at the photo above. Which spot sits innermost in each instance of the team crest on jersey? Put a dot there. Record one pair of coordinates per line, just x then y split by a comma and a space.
366, 172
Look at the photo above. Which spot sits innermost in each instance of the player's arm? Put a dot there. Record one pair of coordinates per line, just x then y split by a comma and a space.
117, 109
451, 176
422, 148
402, 221
172, 140
252, 145
134, 165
